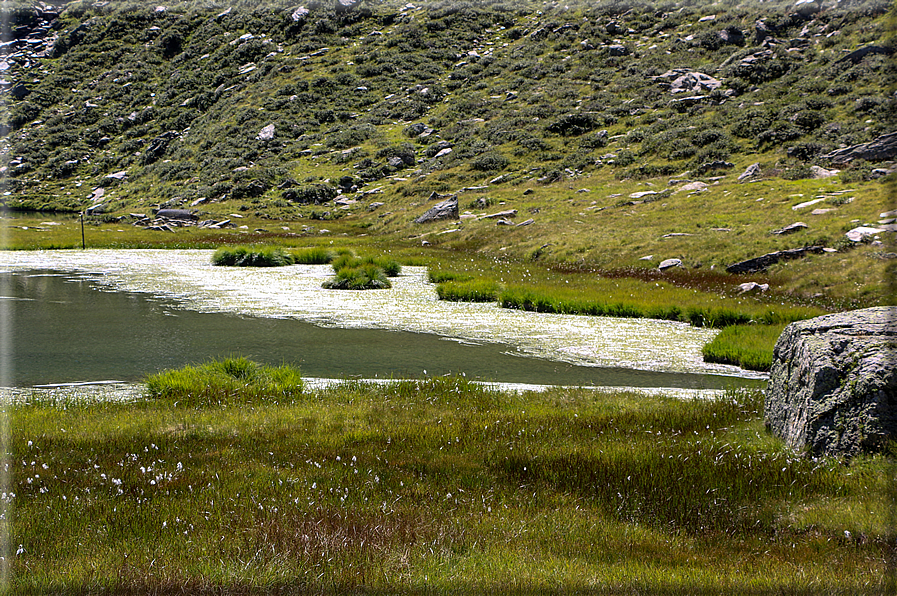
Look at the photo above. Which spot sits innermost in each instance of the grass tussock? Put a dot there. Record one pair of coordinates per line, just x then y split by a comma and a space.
251, 256
440, 484
747, 346
362, 273
223, 382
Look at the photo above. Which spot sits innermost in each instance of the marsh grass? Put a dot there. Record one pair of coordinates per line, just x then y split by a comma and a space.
227, 381
472, 290
438, 484
362, 273
312, 256
252, 256
747, 346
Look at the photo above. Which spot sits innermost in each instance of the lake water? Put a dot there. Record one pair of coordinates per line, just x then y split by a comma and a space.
93, 315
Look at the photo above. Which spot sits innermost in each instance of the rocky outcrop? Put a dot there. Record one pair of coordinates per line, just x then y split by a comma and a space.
761, 263
833, 383
881, 149
447, 209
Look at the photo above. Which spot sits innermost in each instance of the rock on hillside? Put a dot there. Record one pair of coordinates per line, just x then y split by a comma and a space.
833, 383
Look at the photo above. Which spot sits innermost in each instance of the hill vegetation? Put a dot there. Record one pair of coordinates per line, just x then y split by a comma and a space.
617, 130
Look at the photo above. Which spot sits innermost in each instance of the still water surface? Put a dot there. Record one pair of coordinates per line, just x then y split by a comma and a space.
123, 314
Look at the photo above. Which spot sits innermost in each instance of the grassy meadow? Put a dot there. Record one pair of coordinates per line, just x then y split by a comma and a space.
432, 486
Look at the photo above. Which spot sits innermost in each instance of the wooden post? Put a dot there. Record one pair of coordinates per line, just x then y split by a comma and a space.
82, 231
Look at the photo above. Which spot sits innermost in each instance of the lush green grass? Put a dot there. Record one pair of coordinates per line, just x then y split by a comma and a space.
359, 277
473, 290
222, 382
438, 485
252, 256
747, 346
312, 256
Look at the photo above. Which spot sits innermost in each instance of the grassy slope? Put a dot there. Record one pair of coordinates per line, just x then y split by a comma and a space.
437, 485
186, 77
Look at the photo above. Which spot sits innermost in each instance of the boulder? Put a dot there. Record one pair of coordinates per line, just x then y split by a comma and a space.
447, 209
752, 171
833, 383
752, 286
184, 214
790, 228
761, 263
861, 233
669, 264
881, 149
267, 133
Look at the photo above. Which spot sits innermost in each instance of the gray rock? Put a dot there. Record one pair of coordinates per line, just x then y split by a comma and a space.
881, 149
861, 233
669, 264
752, 171
761, 263
806, 8
752, 286
833, 383
447, 209
267, 133
96, 209
618, 50
185, 214
791, 228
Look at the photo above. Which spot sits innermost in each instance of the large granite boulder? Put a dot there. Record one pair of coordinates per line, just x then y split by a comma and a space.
833, 384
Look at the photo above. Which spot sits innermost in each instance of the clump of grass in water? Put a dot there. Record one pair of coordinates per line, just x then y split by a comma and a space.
362, 273
252, 256
312, 256
226, 382
438, 276
747, 346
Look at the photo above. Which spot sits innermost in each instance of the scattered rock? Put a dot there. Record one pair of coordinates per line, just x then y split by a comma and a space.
669, 263
861, 233
96, 209
374, 206
833, 383
696, 186
752, 171
790, 228
501, 214
758, 264
687, 80
645, 193
881, 149
820, 211
806, 204
528, 222
675, 235
267, 133
806, 8
857, 55
185, 214
618, 50
752, 286
732, 35
119, 176
447, 209
819, 173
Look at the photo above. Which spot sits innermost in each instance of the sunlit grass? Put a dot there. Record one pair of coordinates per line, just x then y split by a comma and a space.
747, 346
441, 484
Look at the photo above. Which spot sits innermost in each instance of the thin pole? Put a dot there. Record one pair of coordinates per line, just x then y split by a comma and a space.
82, 231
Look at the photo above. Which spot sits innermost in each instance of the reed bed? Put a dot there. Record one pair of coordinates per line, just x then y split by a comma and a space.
437, 485
251, 256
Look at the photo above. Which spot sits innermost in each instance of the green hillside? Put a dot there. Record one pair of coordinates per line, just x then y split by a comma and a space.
619, 128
